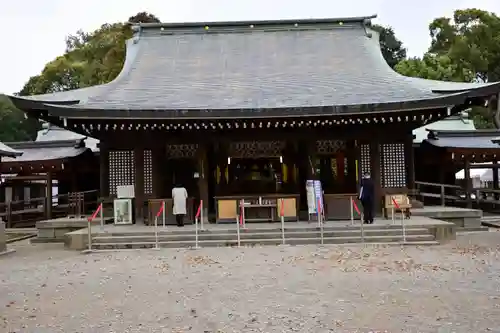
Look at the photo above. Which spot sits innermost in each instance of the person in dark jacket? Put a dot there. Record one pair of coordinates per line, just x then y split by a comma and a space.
367, 198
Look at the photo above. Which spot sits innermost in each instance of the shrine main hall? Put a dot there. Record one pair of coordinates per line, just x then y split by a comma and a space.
252, 110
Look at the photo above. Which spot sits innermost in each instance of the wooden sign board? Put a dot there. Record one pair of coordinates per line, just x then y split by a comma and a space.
401, 199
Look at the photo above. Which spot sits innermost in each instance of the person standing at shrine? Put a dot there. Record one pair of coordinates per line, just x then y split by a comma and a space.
367, 198
179, 197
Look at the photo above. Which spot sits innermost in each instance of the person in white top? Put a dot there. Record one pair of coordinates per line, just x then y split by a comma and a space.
179, 196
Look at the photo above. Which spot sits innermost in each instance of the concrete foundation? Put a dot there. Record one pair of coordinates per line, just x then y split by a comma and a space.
465, 219
53, 231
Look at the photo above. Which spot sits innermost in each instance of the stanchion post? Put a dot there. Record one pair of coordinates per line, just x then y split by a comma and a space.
196, 233
320, 222
403, 226
164, 214
362, 228
243, 217
352, 210
282, 216
89, 234
156, 233
101, 215
201, 216
238, 217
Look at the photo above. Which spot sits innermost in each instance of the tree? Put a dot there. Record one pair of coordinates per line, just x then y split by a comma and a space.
434, 67
471, 40
392, 48
90, 59
13, 125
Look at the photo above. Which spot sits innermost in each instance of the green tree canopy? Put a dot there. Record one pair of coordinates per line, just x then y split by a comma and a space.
13, 125
90, 59
392, 48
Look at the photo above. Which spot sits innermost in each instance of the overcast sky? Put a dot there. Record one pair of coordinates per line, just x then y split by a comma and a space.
33, 32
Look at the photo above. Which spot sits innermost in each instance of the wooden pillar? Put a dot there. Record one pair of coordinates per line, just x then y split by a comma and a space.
468, 184
495, 178
376, 175
48, 191
103, 171
311, 160
351, 155
204, 173
139, 182
159, 168
410, 163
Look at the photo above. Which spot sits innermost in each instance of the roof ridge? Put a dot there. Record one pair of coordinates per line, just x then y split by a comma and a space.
246, 23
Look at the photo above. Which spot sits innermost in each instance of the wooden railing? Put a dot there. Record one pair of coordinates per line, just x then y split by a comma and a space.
444, 192
25, 213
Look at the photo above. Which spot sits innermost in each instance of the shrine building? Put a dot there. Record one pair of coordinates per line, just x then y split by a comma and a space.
251, 110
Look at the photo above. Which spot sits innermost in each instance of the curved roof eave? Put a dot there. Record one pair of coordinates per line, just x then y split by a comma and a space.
8, 151
444, 101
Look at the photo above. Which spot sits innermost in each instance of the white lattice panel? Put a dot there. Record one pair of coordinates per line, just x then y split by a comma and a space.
148, 172
365, 159
121, 169
393, 165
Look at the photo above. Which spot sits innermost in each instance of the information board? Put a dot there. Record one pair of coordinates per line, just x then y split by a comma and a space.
311, 202
318, 196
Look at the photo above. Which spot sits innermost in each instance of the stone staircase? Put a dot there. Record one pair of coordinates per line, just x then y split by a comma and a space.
386, 234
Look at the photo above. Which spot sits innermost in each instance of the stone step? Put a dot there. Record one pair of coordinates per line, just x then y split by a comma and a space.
427, 239
132, 238
255, 229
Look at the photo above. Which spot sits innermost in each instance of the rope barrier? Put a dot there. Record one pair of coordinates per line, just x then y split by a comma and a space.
89, 225
402, 217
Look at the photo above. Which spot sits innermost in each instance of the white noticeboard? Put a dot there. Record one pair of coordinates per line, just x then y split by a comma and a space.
318, 196
311, 201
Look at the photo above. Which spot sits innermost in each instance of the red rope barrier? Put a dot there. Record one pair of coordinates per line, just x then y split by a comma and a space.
199, 209
395, 203
319, 207
356, 207
162, 207
282, 210
95, 213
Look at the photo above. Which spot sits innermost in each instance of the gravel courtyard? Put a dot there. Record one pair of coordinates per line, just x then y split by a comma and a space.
450, 288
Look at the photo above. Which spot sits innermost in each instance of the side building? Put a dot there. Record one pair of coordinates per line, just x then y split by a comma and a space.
252, 110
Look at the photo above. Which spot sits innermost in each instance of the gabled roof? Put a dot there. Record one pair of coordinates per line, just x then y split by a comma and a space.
6, 151
51, 133
477, 139
458, 122
46, 151
255, 68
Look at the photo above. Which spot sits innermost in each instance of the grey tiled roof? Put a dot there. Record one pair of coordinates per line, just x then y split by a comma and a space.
6, 151
477, 139
51, 133
46, 151
260, 65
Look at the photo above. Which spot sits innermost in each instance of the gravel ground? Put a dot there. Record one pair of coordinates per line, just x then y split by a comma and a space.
450, 288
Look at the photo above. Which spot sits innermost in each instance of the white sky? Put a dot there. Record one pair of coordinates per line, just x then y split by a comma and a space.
33, 32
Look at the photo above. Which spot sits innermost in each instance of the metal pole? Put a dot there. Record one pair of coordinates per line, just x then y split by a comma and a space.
238, 229
201, 214
90, 234
156, 232
392, 214
102, 216
243, 214
362, 229
164, 214
283, 229
352, 211
403, 226
196, 232
320, 218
